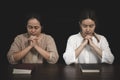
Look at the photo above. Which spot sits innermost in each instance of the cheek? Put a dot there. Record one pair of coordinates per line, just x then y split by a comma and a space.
28, 30
39, 30
83, 30
93, 29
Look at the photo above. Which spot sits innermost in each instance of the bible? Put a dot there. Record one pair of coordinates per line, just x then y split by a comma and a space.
90, 68
21, 71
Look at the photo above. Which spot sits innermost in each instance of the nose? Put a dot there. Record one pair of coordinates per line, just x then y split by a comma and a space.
87, 29
32, 30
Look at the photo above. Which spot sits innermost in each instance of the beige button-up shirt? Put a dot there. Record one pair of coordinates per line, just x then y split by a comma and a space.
46, 42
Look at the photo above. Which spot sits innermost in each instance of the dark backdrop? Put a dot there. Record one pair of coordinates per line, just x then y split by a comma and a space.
60, 21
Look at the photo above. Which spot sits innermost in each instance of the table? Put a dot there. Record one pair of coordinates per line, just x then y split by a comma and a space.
66, 72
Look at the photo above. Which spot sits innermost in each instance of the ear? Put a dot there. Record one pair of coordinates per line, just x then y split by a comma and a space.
42, 28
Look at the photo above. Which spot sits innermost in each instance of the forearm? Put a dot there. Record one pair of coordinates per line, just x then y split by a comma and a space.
97, 50
19, 55
42, 52
78, 50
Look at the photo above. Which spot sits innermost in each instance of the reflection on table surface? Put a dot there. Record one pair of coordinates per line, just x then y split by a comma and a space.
64, 72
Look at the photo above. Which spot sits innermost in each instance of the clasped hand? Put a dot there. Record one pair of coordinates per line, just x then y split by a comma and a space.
33, 41
88, 40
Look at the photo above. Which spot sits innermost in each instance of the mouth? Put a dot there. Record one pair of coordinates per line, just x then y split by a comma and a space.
88, 33
33, 34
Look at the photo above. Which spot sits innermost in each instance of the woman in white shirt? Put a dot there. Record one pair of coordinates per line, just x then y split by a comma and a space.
87, 46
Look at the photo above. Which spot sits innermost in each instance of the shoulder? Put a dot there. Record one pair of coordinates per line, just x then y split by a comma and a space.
47, 36
100, 37
74, 37
21, 36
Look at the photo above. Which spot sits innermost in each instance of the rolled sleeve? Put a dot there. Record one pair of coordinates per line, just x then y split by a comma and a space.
107, 56
53, 59
69, 55
11, 60
14, 48
52, 49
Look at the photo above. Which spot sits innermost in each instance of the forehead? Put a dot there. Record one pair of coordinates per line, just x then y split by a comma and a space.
88, 21
33, 21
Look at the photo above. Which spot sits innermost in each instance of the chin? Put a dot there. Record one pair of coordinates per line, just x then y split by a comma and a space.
89, 34
33, 34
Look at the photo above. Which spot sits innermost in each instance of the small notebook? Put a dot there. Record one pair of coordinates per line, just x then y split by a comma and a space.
21, 71
90, 68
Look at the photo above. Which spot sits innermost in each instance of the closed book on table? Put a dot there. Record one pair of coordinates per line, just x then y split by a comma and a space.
21, 74
90, 68
21, 71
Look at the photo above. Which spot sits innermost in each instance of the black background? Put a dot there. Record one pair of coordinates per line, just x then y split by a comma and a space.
60, 21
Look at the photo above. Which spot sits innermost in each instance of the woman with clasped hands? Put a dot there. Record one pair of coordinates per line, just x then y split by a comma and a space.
33, 46
87, 46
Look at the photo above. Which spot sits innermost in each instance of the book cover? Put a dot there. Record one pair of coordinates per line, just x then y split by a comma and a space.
21, 71
90, 68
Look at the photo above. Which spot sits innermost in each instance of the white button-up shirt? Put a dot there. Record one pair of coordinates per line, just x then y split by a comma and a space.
87, 55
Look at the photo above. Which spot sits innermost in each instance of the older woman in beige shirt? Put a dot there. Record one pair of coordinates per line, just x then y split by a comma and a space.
33, 46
